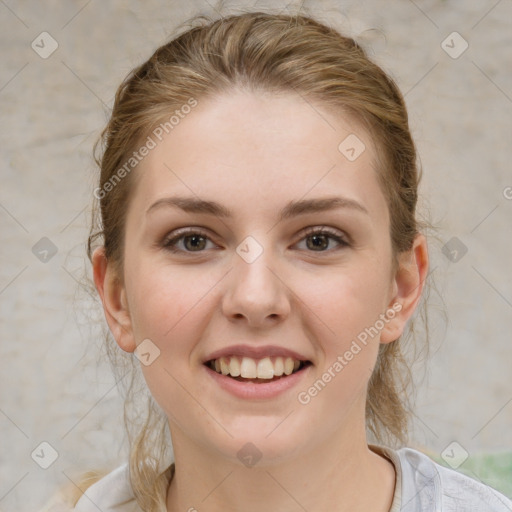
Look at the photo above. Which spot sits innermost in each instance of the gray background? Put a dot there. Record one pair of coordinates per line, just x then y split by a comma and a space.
56, 386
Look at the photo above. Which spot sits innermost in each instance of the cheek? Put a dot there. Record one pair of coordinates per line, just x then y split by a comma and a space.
345, 311
347, 301
163, 297
172, 309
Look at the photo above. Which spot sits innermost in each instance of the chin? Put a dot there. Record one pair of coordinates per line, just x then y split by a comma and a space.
253, 446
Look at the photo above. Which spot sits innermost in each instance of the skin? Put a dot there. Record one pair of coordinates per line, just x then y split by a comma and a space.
253, 153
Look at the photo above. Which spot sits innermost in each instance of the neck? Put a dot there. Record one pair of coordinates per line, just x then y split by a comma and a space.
340, 473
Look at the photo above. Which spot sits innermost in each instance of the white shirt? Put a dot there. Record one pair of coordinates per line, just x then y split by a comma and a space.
422, 485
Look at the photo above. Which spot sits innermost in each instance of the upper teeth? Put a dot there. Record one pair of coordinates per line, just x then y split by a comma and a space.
249, 368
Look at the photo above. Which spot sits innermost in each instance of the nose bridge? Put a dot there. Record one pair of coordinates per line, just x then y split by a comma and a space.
255, 290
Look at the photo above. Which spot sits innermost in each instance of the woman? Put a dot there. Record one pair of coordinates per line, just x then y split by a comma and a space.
261, 258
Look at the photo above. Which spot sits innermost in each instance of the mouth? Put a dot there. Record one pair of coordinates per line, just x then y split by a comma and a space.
259, 371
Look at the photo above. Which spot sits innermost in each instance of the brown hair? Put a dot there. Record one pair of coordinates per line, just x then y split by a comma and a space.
272, 53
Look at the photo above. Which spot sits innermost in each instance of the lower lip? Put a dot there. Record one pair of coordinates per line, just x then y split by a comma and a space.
253, 390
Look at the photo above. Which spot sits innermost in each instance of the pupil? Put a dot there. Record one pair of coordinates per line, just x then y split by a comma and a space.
194, 244
318, 238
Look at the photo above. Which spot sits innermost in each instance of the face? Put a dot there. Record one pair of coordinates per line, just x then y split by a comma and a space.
269, 275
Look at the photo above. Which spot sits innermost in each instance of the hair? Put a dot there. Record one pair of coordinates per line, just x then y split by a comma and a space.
273, 53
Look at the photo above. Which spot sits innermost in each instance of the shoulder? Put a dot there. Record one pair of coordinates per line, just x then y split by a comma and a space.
111, 493
426, 485
88, 485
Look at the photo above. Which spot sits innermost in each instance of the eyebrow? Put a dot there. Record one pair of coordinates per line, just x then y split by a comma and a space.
292, 209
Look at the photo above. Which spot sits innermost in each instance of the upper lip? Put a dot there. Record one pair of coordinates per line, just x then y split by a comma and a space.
258, 352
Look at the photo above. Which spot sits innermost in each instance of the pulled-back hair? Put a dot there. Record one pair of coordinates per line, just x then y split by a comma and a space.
277, 54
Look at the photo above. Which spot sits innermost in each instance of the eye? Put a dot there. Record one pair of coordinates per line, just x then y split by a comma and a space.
194, 240
317, 239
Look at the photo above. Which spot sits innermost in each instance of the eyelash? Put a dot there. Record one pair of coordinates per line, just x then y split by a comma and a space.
170, 243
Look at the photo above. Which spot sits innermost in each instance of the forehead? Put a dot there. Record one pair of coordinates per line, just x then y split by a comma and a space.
252, 149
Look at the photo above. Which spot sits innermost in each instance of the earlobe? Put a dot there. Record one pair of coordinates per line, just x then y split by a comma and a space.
408, 286
113, 298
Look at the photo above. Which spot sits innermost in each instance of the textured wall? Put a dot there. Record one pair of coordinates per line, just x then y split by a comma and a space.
56, 387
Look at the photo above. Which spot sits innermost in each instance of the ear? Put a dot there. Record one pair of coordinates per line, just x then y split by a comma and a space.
408, 286
113, 297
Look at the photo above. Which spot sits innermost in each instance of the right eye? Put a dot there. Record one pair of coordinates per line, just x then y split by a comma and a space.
194, 240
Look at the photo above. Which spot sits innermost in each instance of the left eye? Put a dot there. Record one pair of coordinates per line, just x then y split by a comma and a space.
317, 240
320, 239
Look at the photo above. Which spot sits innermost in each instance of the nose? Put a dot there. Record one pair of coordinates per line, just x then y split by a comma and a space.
256, 292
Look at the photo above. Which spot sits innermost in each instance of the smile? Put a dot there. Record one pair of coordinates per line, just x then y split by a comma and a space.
253, 379
256, 370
